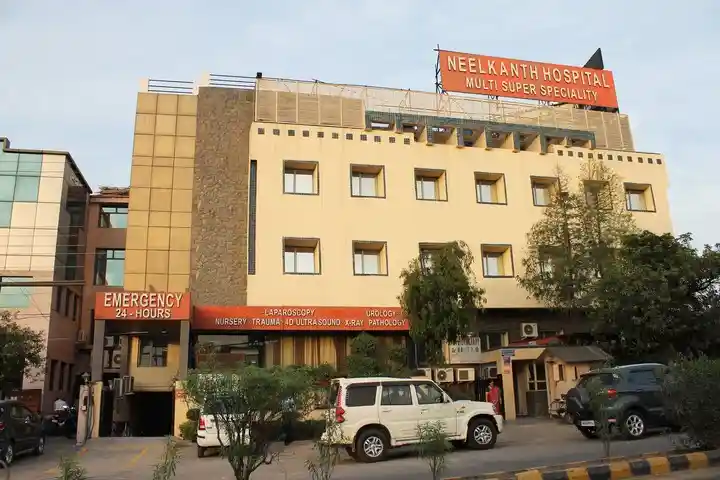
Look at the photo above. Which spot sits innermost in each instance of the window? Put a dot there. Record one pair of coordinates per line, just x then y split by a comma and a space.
360, 395
369, 258
430, 185
63, 374
490, 188
109, 267
301, 256
561, 372
367, 181
15, 297
427, 393
396, 395
153, 352
594, 193
639, 198
68, 302
493, 340
497, 261
605, 379
53, 374
113, 217
536, 377
548, 257
542, 190
300, 178
427, 251
5, 212
643, 377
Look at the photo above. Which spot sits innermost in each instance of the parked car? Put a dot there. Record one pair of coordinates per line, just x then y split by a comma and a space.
635, 401
20, 431
211, 434
373, 415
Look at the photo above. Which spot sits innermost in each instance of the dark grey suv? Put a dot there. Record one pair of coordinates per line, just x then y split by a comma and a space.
635, 402
20, 431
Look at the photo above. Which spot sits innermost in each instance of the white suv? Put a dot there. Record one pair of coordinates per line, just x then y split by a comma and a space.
373, 415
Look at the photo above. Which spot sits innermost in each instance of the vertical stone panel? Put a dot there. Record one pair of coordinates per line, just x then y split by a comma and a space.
220, 196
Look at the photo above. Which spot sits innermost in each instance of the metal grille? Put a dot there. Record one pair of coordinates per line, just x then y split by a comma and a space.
176, 87
316, 103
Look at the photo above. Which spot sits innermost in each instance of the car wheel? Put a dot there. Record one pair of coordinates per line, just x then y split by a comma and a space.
40, 446
9, 454
371, 446
200, 451
589, 433
481, 434
633, 426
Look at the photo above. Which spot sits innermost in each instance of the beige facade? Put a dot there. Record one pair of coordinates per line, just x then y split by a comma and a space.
395, 223
158, 235
43, 198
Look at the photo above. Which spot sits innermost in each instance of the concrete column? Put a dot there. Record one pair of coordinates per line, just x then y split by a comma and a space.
96, 359
184, 349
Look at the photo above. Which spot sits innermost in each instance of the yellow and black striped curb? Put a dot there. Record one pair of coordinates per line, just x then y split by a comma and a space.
613, 469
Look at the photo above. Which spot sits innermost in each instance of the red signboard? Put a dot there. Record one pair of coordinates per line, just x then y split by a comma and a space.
142, 306
318, 319
506, 77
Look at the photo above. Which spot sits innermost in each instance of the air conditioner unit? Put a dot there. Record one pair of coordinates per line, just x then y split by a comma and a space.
426, 372
116, 359
489, 372
444, 375
81, 336
128, 385
465, 374
529, 330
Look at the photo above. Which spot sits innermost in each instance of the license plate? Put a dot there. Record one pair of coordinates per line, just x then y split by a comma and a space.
587, 423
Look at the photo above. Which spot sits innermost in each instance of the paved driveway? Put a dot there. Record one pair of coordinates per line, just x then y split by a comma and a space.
522, 445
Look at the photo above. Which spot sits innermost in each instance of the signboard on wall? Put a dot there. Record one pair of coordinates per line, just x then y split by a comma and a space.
316, 319
465, 351
123, 305
506, 77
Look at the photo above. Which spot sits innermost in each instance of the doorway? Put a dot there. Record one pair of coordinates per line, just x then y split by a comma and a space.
151, 414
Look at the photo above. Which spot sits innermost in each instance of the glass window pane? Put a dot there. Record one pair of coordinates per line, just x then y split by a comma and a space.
367, 186
427, 187
484, 192
540, 195
29, 164
419, 188
8, 163
492, 264
289, 262
358, 264
289, 182
355, 184
5, 214
115, 272
7, 187
305, 262
371, 263
26, 189
15, 297
304, 182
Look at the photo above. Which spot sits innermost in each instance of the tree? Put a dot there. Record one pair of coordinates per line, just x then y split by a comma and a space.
440, 298
369, 358
569, 248
246, 402
433, 447
660, 298
21, 353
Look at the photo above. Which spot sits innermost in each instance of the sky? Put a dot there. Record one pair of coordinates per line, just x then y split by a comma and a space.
70, 70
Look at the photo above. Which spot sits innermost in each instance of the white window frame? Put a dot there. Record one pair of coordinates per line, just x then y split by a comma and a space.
292, 269
360, 176
294, 173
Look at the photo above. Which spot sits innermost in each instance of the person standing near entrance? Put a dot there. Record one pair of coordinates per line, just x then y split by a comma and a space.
493, 395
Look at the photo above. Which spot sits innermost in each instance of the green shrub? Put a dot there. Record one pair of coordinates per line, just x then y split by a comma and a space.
193, 414
692, 390
188, 430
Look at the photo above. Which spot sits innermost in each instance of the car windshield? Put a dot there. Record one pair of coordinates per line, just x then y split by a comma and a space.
606, 379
